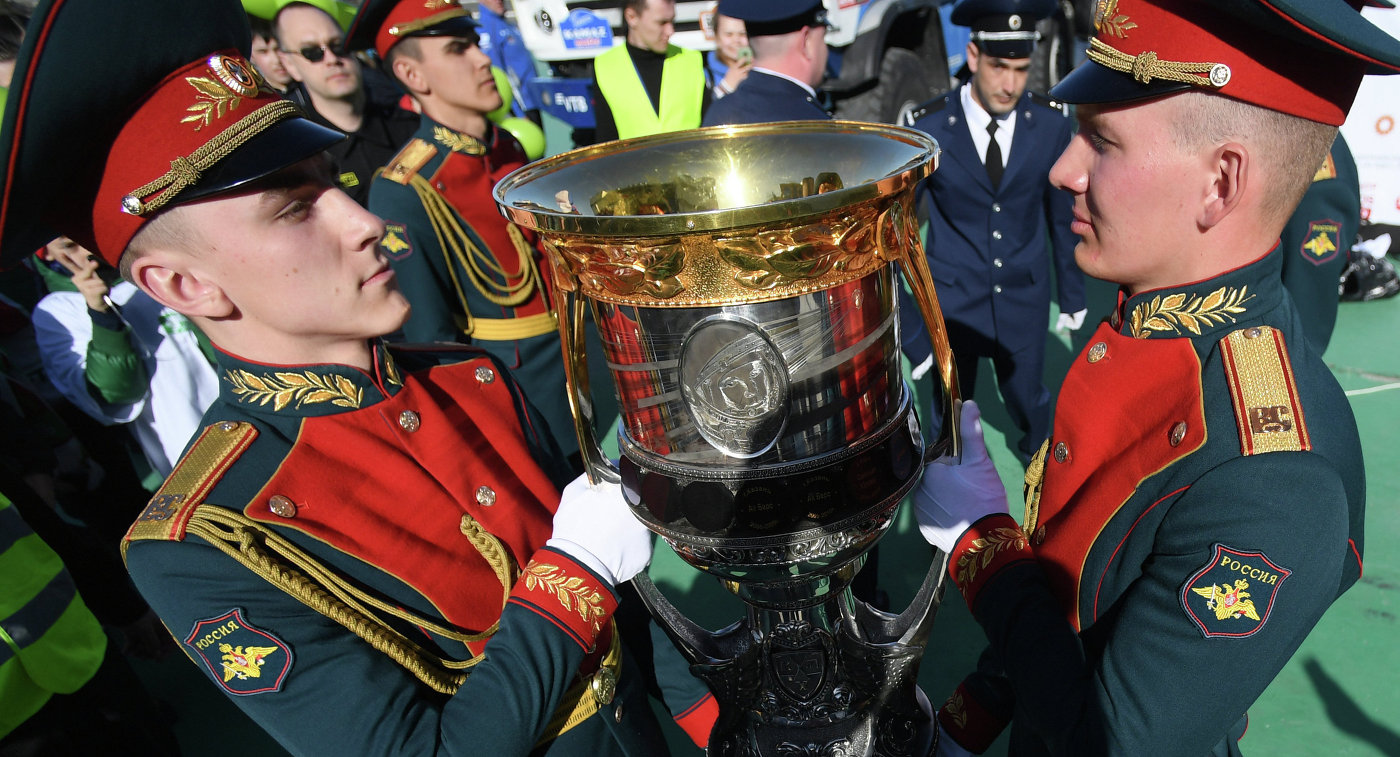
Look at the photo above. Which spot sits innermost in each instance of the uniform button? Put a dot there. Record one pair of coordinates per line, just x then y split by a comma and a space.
485, 375
997, 289
282, 506
409, 421
228, 426
1097, 352
485, 496
996, 207
997, 262
617, 714
1114, 320
1039, 537
996, 235
1061, 452
1253, 333
1178, 433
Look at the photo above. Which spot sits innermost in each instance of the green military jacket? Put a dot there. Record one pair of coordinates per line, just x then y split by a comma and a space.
471, 275
1197, 508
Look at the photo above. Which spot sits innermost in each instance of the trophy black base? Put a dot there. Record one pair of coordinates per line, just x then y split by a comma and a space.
836, 679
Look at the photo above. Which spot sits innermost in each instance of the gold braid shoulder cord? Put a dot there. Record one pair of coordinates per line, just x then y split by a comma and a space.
286, 566
457, 245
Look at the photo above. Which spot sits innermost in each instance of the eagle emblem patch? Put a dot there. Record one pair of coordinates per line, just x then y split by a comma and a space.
242, 659
395, 243
1322, 242
1232, 595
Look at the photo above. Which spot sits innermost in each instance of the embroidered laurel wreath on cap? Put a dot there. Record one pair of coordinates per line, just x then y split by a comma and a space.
227, 89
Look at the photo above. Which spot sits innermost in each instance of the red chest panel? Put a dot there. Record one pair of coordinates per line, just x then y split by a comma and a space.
465, 181
364, 484
1115, 417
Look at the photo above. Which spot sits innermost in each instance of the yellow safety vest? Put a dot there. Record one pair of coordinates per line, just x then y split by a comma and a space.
52, 644
682, 92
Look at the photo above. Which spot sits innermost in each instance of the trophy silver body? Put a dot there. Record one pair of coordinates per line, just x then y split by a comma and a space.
742, 281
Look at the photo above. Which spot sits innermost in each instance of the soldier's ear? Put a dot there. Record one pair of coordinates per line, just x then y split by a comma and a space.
1228, 181
410, 74
169, 278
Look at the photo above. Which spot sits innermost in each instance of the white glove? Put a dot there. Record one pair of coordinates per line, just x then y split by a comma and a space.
1071, 321
952, 497
947, 747
594, 526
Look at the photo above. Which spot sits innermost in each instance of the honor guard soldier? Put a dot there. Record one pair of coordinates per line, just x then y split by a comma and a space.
471, 275
995, 224
359, 548
1199, 504
1317, 240
788, 38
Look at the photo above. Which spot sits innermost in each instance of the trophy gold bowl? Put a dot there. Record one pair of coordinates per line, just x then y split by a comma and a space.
742, 281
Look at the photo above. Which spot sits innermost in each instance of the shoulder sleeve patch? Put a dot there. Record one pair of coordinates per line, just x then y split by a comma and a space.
244, 660
1328, 169
1232, 594
410, 159
1268, 412
396, 243
169, 511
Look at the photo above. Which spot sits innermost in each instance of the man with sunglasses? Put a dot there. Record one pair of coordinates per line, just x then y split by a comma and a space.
355, 526
788, 38
332, 91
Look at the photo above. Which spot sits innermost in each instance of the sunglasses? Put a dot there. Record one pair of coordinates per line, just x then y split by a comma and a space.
317, 53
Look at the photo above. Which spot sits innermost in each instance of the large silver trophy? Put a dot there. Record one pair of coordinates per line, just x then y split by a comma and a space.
742, 281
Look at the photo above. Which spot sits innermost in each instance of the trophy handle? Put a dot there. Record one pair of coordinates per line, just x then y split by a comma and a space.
569, 309
912, 260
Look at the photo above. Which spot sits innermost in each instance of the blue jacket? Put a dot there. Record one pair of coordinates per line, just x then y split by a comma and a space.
762, 97
987, 248
501, 42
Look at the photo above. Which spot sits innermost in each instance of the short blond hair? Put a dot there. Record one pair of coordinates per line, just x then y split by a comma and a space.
1288, 148
167, 229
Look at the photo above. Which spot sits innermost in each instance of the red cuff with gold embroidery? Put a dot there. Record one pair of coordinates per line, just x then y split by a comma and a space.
699, 719
567, 594
969, 723
987, 546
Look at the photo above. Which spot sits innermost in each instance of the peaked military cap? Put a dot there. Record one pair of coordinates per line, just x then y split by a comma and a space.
380, 24
769, 17
1301, 57
119, 110
1003, 28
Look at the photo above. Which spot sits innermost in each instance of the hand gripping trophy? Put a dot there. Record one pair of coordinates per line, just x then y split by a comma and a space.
742, 281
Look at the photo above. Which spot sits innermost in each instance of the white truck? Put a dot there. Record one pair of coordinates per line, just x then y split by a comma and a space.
887, 56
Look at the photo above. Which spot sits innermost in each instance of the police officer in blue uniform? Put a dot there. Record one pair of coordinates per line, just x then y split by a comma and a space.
788, 38
991, 206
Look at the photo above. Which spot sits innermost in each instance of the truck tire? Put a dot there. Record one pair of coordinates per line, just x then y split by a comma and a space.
902, 86
1054, 55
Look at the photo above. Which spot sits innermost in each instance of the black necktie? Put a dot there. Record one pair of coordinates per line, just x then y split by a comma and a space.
994, 162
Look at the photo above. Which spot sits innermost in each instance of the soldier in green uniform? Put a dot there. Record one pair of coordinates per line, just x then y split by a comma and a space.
364, 547
1200, 501
1317, 240
471, 275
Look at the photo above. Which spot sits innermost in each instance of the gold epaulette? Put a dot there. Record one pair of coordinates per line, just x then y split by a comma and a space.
410, 159
168, 513
1268, 411
1328, 169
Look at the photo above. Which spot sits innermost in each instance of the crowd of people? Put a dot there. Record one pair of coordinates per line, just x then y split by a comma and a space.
269, 348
